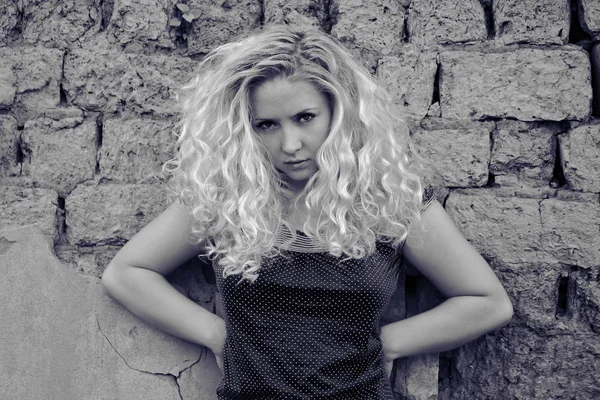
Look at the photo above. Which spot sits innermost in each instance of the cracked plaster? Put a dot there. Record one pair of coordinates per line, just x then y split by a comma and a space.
62, 337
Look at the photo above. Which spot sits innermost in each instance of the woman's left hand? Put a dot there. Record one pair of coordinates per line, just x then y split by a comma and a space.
388, 366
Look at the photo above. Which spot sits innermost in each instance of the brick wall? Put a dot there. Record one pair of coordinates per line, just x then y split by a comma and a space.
499, 98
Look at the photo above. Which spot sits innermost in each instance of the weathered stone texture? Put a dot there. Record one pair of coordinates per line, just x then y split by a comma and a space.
517, 230
222, 21
445, 21
9, 19
584, 299
580, 156
111, 81
371, 29
570, 229
456, 155
21, 207
9, 146
134, 341
526, 84
59, 154
8, 85
506, 228
199, 382
111, 214
532, 21
66, 339
533, 290
409, 78
517, 363
134, 150
589, 17
89, 260
295, 12
140, 24
35, 77
523, 153
60, 24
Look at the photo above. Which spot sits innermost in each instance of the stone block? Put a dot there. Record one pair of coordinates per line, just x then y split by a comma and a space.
517, 363
523, 152
8, 84
90, 260
20, 207
409, 78
370, 29
134, 150
542, 22
589, 17
416, 377
580, 157
109, 81
111, 213
9, 147
533, 289
9, 20
295, 12
64, 338
526, 84
35, 77
59, 154
503, 228
60, 24
584, 299
222, 21
142, 24
570, 229
455, 155
446, 21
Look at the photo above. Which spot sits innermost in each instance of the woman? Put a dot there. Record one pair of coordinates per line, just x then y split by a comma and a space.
292, 177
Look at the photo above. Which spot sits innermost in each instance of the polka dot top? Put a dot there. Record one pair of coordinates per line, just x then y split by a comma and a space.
308, 327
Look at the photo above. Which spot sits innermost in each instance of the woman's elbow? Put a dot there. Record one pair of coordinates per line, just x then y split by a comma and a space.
503, 310
110, 280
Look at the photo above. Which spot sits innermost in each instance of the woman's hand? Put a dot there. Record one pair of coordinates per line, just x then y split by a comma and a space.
218, 342
388, 366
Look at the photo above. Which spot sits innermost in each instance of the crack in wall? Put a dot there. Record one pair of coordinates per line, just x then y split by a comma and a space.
405, 31
490, 23
577, 32
63, 102
261, 18
491, 176
166, 375
174, 377
99, 129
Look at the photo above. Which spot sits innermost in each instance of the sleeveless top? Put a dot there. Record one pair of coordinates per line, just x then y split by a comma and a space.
308, 327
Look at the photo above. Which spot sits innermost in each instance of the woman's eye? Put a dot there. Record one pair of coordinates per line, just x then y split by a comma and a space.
306, 117
265, 126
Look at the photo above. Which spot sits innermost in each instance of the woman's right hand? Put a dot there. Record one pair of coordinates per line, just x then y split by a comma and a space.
218, 342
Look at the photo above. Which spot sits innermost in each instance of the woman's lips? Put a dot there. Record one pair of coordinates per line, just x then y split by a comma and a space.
296, 164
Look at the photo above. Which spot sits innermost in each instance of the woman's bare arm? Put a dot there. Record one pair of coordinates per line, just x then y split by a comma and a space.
476, 301
135, 278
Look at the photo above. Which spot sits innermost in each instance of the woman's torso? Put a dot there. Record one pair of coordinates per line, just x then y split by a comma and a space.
308, 327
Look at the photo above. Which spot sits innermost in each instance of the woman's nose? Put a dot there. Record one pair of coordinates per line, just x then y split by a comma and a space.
291, 141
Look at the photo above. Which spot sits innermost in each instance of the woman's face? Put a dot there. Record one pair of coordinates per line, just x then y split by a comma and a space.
292, 119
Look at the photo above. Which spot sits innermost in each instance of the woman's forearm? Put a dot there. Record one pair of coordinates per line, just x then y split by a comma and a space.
148, 295
456, 321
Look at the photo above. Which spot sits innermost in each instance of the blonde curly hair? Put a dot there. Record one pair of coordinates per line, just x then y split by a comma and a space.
363, 191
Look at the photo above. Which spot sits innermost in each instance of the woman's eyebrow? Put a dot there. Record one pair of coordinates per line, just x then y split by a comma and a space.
304, 111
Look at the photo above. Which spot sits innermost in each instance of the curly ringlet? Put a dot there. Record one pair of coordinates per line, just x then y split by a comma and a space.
364, 189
